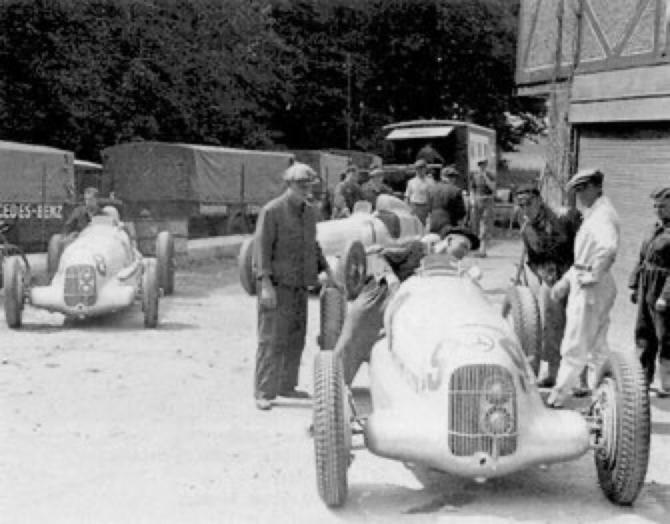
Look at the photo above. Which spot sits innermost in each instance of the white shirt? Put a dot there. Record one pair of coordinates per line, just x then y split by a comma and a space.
597, 240
417, 190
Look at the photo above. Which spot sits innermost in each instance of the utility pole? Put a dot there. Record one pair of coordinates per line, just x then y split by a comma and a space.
348, 100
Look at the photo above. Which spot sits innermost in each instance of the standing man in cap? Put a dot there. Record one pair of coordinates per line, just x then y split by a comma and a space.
375, 186
650, 285
288, 260
482, 192
445, 202
416, 194
347, 193
430, 154
549, 241
588, 284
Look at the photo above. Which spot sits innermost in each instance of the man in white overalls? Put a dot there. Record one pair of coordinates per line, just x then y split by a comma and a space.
588, 284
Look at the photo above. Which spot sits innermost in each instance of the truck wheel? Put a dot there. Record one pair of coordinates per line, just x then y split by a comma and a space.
333, 306
351, 269
54, 252
621, 406
150, 293
166, 261
245, 266
12, 277
332, 429
237, 224
521, 309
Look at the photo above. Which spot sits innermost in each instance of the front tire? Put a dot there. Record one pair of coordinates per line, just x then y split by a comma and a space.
150, 293
333, 306
351, 270
621, 404
245, 266
166, 261
520, 307
332, 429
54, 252
12, 276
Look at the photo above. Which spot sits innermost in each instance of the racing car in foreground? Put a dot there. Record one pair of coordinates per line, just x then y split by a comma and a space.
344, 240
452, 390
98, 272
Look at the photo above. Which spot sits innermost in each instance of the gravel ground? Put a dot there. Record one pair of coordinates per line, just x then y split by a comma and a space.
105, 421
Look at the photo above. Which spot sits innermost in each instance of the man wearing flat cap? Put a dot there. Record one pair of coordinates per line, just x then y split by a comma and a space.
416, 193
548, 238
375, 186
445, 202
588, 284
287, 259
650, 285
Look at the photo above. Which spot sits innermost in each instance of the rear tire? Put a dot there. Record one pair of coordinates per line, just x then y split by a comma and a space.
245, 266
12, 276
521, 308
333, 306
332, 429
621, 400
351, 269
166, 261
150, 293
54, 252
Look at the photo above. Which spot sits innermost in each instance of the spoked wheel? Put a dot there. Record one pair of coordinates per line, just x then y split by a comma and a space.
333, 310
150, 293
332, 429
351, 269
13, 282
245, 266
521, 309
166, 261
620, 411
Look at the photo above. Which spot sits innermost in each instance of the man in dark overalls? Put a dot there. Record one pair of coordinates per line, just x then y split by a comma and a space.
650, 285
288, 260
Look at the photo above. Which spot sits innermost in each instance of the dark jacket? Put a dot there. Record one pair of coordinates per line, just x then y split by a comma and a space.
446, 206
346, 194
79, 219
286, 249
653, 268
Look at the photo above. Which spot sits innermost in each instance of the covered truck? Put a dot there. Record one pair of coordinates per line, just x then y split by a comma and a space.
36, 188
194, 190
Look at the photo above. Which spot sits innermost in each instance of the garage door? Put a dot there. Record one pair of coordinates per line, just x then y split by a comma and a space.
635, 161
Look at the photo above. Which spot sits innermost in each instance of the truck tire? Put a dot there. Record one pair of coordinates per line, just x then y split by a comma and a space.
166, 261
520, 307
12, 276
332, 429
245, 266
333, 309
54, 252
150, 293
351, 269
621, 401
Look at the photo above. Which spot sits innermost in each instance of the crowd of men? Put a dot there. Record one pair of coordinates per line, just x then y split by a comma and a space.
571, 254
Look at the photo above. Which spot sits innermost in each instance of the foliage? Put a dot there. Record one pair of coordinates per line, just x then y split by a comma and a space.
250, 73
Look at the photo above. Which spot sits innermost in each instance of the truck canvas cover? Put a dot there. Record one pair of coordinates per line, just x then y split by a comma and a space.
205, 175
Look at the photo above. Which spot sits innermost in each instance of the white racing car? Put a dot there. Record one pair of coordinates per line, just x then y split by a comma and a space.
452, 390
345, 240
99, 272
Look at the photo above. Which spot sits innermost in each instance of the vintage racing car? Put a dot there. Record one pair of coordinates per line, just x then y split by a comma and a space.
344, 240
98, 272
452, 390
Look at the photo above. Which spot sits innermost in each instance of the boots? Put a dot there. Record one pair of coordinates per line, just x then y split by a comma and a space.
664, 377
583, 389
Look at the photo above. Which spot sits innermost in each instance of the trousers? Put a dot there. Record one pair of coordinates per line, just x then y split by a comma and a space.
652, 328
553, 328
281, 341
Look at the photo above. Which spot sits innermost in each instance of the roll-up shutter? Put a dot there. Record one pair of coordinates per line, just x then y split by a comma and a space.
635, 160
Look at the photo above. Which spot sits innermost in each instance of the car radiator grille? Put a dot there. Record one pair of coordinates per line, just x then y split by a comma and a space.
80, 285
481, 419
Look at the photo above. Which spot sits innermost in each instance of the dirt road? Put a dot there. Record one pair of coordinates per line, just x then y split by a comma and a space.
107, 422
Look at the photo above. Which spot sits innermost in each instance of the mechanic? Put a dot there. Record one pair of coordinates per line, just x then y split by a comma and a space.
445, 202
416, 194
482, 191
588, 284
549, 240
365, 315
347, 193
288, 260
81, 215
375, 187
650, 284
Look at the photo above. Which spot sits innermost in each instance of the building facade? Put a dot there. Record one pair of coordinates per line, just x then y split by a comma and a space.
604, 68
